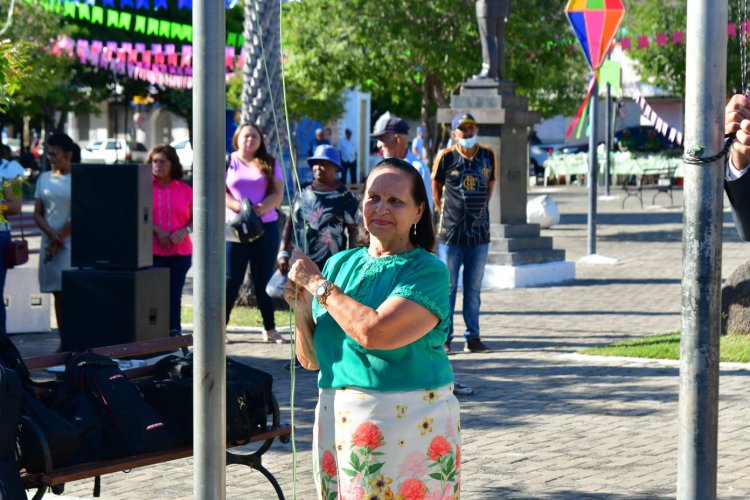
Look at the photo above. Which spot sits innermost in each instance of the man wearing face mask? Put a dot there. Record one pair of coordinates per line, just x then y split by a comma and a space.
463, 176
392, 134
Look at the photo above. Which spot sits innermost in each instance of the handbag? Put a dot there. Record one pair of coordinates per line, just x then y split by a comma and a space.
16, 252
245, 226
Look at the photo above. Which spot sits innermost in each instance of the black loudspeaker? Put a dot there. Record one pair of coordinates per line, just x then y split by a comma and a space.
111, 216
107, 307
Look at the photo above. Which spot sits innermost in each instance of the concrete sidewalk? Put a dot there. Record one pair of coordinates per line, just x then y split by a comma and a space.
543, 423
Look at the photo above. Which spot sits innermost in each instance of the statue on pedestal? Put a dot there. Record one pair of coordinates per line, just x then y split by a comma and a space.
491, 17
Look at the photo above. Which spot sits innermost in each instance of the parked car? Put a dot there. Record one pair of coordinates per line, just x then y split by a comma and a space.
15, 146
185, 153
111, 151
538, 153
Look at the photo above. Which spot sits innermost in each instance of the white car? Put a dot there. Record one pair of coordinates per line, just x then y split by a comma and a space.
111, 151
185, 154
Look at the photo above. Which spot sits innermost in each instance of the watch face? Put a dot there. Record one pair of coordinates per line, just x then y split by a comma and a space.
320, 290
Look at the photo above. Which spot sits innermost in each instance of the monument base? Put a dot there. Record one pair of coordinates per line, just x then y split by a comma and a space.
528, 276
27, 309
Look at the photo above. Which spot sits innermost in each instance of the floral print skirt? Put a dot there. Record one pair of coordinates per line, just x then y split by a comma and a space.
387, 445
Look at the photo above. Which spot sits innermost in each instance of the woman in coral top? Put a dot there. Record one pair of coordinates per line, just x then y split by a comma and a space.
173, 221
374, 321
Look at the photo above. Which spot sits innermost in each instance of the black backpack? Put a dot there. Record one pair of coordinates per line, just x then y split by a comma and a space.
129, 425
61, 436
249, 395
10, 416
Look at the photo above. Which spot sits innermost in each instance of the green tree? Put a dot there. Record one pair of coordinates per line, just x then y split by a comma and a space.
413, 55
662, 66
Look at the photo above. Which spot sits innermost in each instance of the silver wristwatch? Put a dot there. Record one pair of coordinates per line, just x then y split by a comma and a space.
323, 291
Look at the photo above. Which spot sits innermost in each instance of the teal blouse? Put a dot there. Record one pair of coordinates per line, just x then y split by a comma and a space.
416, 275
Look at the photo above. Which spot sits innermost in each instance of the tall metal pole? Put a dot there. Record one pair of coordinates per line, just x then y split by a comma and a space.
209, 394
593, 167
705, 78
608, 141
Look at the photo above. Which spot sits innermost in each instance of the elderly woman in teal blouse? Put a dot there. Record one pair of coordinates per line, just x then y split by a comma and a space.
374, 323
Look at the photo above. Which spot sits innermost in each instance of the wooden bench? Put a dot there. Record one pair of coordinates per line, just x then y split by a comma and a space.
657, 179
56, 478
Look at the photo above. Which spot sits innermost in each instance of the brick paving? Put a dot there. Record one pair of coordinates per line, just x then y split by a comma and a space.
544, 422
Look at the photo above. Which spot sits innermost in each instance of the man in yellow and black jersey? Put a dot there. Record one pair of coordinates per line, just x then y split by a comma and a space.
463, 176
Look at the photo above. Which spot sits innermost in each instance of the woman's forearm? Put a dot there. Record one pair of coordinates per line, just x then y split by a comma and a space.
271, 201
232, 204
305, 347
395, 323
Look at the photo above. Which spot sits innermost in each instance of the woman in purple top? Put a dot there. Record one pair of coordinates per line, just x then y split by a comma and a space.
254, 174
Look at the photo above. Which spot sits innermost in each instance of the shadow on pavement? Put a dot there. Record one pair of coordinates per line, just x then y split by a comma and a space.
510, 493
575, 313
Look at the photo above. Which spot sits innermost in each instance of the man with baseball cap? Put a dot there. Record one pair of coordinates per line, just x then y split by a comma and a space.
463, 176
392, 134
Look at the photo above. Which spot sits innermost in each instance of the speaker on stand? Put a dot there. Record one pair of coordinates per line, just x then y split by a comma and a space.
114, 297
111, 216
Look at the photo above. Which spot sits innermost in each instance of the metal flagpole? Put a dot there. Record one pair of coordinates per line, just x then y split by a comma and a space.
209, 394
701, 249
593, 167
608, 141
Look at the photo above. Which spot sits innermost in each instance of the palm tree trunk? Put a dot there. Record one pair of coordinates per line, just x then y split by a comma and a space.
261, 93
261, 89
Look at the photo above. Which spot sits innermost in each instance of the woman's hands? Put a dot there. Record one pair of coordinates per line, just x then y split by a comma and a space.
304, 276
297, 297
304, 272
177, 236
163, 236
167, 239
51, 250
737, 120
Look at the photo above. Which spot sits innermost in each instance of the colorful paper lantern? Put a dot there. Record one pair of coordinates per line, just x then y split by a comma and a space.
595, 23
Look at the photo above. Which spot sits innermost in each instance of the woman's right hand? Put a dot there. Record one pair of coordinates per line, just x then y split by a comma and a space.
56, 237
163, 237
297, 297
304, 272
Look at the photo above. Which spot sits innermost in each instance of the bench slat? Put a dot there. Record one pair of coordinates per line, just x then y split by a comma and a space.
91, 469
115, 351
102, 467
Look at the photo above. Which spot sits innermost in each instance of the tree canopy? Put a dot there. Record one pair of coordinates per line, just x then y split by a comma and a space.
412, 55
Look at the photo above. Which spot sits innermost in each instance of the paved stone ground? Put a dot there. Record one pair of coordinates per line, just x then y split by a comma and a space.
544, 422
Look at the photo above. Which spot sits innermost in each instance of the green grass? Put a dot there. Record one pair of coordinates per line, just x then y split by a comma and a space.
732, 348
243, 316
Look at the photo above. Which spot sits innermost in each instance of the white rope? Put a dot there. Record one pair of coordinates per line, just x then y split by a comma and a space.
295, 233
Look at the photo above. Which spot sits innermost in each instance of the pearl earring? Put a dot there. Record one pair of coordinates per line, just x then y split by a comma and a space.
415, 229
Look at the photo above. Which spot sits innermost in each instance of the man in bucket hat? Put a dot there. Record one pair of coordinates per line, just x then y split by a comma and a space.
322, 211
463, 176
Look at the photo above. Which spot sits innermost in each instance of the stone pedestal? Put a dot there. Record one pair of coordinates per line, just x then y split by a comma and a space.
519, 256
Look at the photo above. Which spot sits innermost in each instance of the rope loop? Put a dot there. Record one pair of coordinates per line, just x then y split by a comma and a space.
693, 155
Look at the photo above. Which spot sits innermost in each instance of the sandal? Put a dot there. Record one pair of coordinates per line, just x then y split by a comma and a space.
274, 336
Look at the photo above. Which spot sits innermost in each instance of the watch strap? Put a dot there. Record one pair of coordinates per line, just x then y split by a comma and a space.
323, 297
